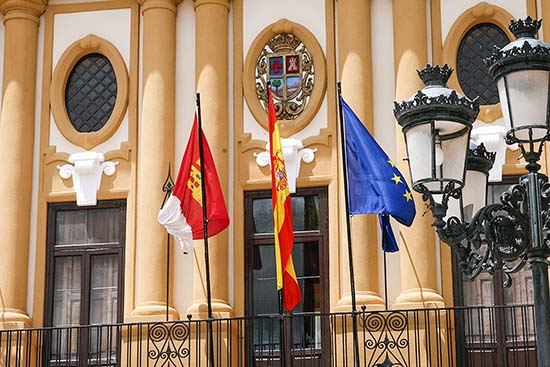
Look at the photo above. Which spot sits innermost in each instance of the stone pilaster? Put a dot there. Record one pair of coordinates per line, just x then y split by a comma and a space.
21, 21
156, 153
212, 78
417, 243
355, 62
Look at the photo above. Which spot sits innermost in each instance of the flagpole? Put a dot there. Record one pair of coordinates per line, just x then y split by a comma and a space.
282, 344
348, 225
385, 279
205, 229
167, 187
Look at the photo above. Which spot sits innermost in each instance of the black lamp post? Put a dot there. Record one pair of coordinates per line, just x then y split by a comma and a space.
437, 122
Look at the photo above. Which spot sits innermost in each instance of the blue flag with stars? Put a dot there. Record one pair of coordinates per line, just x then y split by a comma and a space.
375, 185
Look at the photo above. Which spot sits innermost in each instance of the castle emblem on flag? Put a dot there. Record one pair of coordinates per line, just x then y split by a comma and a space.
280, 171
194, 181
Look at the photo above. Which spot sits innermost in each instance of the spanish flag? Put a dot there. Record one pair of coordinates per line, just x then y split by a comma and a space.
282, 215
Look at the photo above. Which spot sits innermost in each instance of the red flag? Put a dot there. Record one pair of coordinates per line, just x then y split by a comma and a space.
182, 213
282, 215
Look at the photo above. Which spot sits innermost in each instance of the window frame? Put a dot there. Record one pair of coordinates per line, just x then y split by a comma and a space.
319, 237
86, 252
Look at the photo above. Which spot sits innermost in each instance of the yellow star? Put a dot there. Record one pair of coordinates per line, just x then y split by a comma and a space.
391, 163
408, 195
397, 179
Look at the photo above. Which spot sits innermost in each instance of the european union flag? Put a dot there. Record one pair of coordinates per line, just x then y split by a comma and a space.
375, 185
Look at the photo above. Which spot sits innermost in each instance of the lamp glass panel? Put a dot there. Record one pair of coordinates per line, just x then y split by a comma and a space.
454, 151
454, 209
445, 127
524, 98
475, 190
419, 149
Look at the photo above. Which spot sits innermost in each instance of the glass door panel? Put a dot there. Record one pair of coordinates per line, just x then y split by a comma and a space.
66, 307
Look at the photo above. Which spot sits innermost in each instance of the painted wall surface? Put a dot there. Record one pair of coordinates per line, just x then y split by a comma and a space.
384, 121
185, 110
69, 27
256, 16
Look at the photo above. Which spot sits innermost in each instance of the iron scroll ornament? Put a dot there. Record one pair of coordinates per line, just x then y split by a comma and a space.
168, 345
499, 235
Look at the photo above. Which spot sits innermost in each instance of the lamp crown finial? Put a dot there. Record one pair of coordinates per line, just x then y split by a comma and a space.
480, 159
435, 75
527, 27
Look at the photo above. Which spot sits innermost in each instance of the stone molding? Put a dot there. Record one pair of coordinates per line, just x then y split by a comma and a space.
30, 9
78, 49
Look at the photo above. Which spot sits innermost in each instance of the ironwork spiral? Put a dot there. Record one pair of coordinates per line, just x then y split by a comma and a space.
386, 337
168, 344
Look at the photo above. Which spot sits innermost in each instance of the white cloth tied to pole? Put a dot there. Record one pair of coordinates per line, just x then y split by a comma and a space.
171, 217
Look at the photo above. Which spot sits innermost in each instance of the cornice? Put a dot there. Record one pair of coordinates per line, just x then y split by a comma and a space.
171, 5
224, 3
34, 8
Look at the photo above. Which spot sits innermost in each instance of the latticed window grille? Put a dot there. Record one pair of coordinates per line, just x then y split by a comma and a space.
473, 74
90, 93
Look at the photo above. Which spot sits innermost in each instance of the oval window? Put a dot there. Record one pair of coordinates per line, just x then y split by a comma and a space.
472, 73
90, 93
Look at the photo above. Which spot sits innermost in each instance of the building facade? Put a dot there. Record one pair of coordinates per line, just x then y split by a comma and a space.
98, 100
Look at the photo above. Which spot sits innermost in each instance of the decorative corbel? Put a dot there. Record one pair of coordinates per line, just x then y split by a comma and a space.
86, 170
294, 153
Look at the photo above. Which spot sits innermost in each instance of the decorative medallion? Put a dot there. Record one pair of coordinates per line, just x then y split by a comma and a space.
286, 63
288, 56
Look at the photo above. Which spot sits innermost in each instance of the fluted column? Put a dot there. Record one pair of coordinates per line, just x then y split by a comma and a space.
211, 77
355, 61
156, 152
417, 243
21, 21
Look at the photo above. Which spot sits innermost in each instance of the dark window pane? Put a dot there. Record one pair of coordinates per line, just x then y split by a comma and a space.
265, 282
103, 306
305, 214
263, 215
104, 289
473, 74
103, 225
67, 286
81, 227
71, 227
66, 307
90, 93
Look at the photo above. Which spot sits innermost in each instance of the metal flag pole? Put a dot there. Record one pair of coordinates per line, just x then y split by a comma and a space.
167, 188
282, 344
385, 279
348, 226
205, 229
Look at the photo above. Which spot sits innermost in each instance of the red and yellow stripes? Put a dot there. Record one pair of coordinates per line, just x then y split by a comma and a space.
282, 215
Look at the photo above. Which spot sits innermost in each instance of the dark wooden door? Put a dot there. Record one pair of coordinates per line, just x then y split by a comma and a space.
84, 286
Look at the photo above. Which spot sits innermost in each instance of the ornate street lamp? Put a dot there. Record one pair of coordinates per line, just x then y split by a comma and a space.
508, 234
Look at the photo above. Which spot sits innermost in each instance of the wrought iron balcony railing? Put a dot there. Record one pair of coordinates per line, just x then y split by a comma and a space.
461, 336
